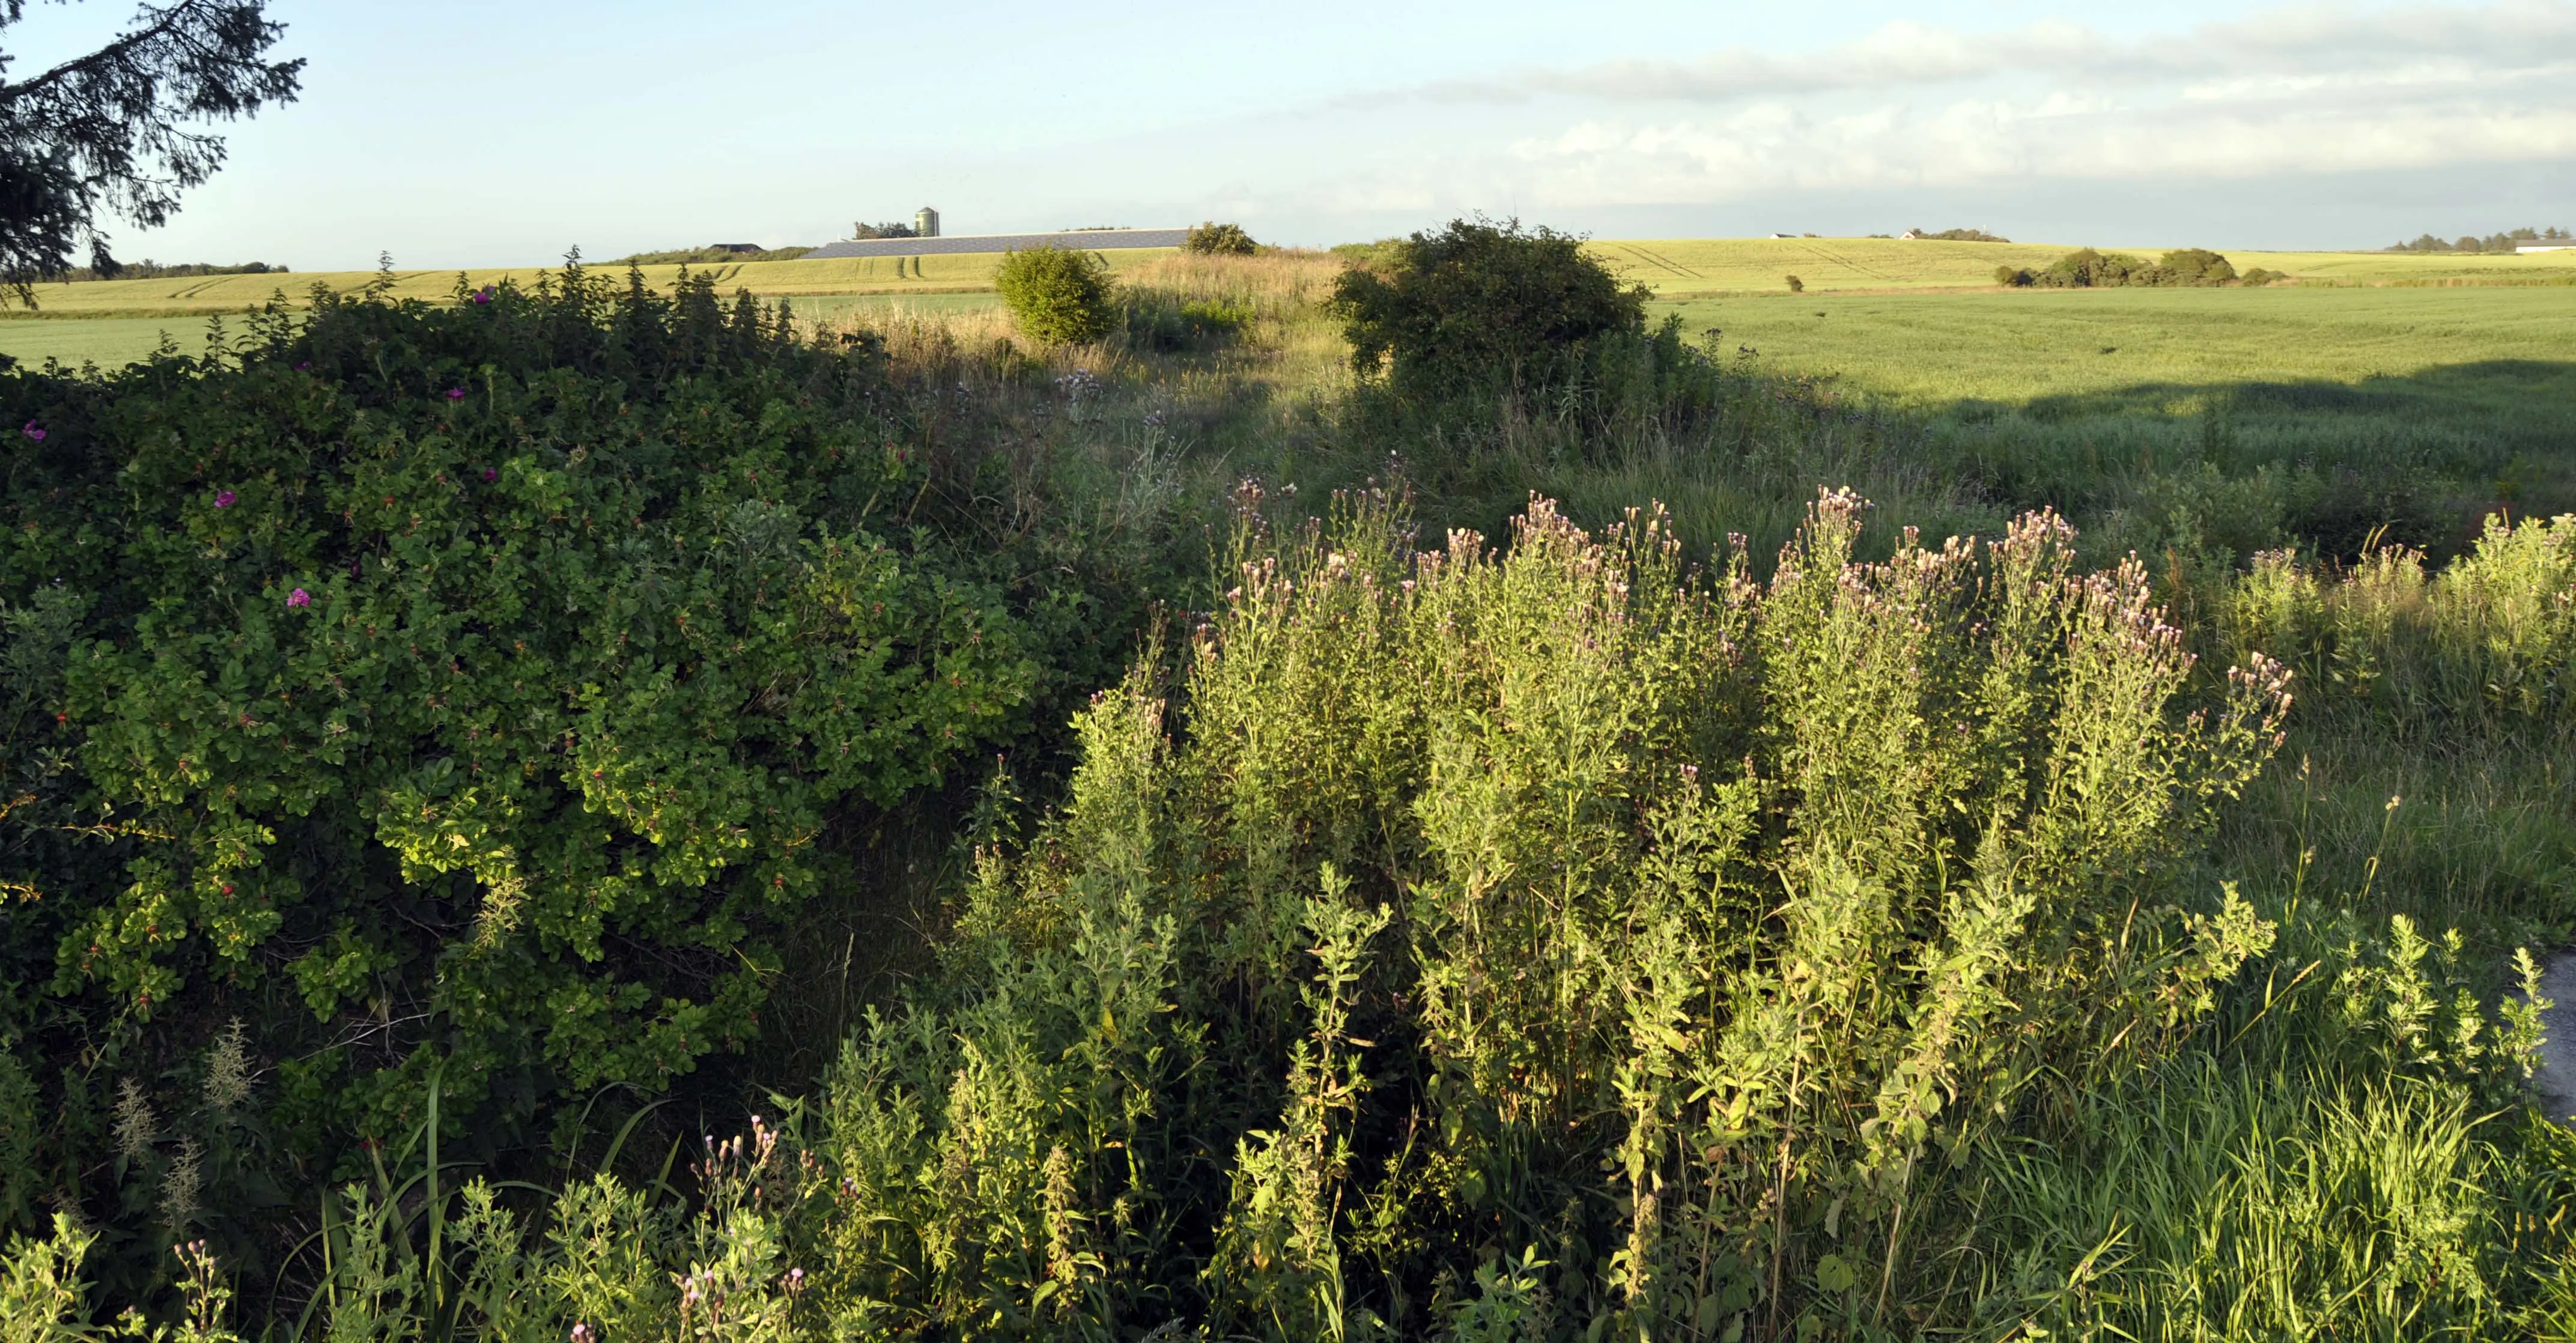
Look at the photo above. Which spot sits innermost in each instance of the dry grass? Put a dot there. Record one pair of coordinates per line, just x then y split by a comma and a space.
1279, 285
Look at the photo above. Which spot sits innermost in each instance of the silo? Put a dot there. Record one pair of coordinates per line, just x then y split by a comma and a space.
926, 223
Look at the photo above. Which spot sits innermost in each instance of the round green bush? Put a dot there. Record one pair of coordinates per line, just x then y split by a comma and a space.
1220, 240
1479, 305
1058, 296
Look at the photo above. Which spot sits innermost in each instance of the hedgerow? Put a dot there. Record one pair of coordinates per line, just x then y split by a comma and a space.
474, 689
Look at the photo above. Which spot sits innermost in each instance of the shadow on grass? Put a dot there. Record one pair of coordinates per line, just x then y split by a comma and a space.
2532, 393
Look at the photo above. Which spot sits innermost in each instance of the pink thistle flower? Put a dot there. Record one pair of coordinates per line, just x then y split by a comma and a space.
483, 295
455, 393
489, 474
224, 498
299, 597
303, 366
34, 431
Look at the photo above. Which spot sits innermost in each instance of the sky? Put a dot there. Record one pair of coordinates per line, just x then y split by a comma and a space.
480, 133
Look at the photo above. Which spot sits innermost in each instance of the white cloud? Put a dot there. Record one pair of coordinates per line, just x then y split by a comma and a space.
2292, 92
2338, 42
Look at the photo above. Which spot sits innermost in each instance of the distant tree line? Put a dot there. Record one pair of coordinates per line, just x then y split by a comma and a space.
865, 232
154, 270
2493, 242
1957, 235
2191, 267
712, 252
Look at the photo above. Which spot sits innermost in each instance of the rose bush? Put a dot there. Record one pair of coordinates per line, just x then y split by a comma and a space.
471, 688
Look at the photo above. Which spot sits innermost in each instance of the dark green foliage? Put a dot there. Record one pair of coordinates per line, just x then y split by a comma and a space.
2192, 266
1058, 295
115, 130
1959, 235
1479, 306
2089, 269
2493, 242
476, 687
1219, 240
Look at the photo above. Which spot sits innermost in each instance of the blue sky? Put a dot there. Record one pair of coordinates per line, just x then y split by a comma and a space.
473, 133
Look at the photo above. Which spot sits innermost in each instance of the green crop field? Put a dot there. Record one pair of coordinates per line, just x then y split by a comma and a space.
105, 341
2158, 348
117, 321
1681, 267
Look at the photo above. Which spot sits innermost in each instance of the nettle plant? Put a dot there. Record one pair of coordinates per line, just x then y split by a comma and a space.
1555, 940
481, 685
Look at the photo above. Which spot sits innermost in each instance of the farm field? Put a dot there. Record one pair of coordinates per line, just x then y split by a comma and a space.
2162, 348
1678, 268
1683, 271
105, 341
848, 275
2384, 316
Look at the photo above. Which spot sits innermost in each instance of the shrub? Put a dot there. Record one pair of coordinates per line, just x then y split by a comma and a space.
1796, 285
1219, 240
2012, 277
2489, 638
1478, 306
2089, 269
1413, 898
2257, 276
478, 686
1058, 295
2190, 266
